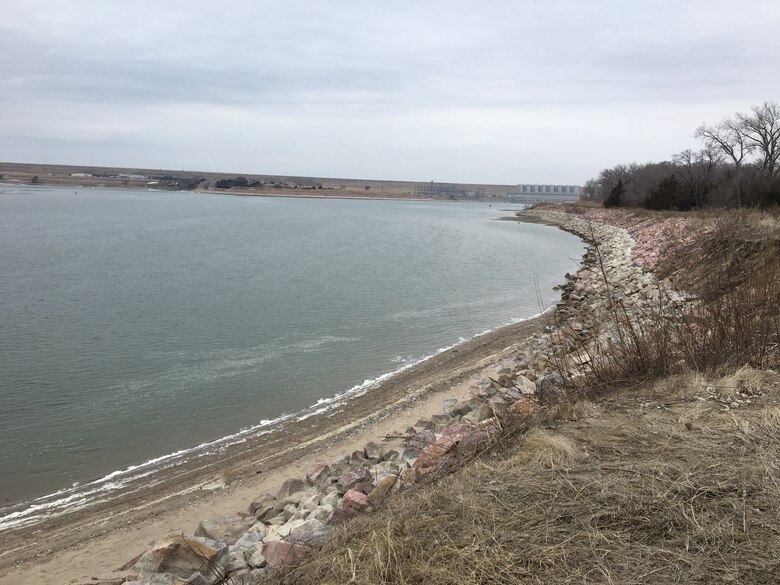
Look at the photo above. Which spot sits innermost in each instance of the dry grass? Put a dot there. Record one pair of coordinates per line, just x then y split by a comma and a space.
736, 319
642, 488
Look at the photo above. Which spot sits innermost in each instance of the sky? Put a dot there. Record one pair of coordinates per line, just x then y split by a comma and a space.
495, 91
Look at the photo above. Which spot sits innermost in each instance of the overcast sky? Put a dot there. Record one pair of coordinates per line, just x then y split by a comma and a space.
491, 91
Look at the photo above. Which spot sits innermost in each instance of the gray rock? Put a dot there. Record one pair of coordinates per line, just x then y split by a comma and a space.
459, 410
330, 499
410, 456
481, 413
374, 451
323, 513
525, 385
277, 520
236, 561
384, 469
227, 529
289, 487
289, 510
392, 455
421, 440
181, 556
261, 507
311, 533
358, 458
310, 503
441, 419
253, 577
299, 497
254, 557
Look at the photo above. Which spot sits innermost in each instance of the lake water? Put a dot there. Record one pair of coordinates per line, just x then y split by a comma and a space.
135, 324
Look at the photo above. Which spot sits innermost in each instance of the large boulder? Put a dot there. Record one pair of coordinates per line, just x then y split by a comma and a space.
359, 475
290, 487
263, 507
374, 451
254, 556
227, 529
525, 385
183, 557
482, 412
455, 433
550, 388
434, 455
311, 533
279, 554
379, 494
318, 473
421, 440
522, 408
475, 442
355, 502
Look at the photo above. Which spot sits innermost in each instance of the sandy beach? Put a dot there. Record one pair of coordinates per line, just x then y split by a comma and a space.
79, 546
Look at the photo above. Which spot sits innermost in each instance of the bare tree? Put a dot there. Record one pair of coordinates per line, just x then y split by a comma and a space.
609, 178
761, 128
729, 137
588, 190
697, 170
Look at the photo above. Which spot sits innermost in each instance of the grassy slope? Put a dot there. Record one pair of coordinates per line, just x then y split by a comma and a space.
657, 484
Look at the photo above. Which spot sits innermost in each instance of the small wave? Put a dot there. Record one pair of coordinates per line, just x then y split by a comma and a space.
213, 365
81, 496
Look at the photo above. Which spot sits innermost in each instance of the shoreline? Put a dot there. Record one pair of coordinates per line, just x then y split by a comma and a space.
214, 448
224, 482
281, 193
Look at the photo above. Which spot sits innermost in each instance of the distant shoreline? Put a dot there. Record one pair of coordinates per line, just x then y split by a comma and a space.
80, 176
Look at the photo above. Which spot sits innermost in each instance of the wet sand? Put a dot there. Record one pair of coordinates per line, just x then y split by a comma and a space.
75, 547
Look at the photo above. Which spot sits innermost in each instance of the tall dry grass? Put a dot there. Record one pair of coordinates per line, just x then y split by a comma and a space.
666, 489
734, 320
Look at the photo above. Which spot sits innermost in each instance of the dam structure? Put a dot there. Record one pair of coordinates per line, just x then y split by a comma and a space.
535, 193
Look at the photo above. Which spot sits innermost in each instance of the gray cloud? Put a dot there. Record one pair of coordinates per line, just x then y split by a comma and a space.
502, 92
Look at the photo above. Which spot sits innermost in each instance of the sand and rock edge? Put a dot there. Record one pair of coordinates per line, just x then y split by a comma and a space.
277, 529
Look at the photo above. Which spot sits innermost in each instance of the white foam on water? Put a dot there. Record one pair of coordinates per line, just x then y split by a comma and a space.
80, 496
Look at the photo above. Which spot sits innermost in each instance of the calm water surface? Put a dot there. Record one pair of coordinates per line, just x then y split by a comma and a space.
135, 324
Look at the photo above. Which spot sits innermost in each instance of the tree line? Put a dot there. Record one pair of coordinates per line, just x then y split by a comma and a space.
737, 165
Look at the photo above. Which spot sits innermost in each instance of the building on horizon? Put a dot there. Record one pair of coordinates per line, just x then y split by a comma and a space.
448, 190
535, 193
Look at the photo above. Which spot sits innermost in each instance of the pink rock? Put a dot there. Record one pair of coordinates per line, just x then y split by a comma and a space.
279, 554
350, 479
434, 454
474, 442
444, 447
457, 432
318, 471
355, 502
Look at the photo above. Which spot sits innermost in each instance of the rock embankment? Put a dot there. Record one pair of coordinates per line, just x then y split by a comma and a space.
276, 529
